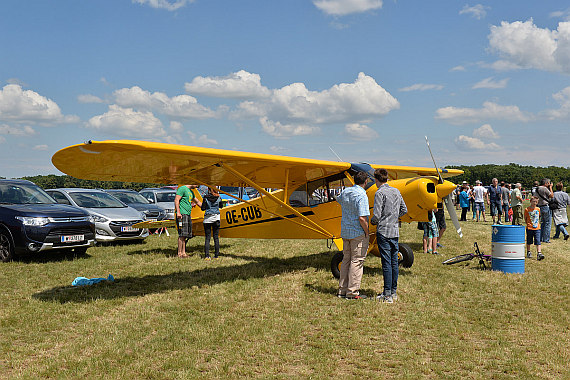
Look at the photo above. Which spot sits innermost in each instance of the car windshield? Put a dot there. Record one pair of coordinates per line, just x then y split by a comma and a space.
165, 196
95, 199
23, 193
128, 197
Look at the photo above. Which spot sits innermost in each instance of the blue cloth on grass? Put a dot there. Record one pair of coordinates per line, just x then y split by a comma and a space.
83, 281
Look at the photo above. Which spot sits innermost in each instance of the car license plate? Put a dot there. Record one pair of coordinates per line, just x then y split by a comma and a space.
72, 238
129, 229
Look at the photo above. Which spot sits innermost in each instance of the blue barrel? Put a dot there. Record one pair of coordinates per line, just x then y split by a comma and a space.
507, 252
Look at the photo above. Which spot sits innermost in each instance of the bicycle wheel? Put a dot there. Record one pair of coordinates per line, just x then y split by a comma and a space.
459, 259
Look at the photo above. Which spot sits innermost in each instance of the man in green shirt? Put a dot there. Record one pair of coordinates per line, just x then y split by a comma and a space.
517, 205
183, 203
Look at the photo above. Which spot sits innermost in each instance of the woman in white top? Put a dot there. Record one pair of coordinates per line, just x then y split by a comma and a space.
560, 216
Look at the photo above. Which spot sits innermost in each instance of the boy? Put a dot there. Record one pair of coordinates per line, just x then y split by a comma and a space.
532, 219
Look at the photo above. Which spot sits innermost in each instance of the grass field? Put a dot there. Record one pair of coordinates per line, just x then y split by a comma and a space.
267, 309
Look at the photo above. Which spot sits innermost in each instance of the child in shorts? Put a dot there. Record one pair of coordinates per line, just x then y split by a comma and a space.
431, 233
532, 219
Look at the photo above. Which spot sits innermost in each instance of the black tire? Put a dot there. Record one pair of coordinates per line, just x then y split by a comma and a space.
6, 246
80, 251
459, 259
335, 264
405, 255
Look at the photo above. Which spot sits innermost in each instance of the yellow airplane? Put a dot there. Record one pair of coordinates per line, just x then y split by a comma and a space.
304, 207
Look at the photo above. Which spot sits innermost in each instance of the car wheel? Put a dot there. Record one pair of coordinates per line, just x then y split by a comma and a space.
81, 251
6, 247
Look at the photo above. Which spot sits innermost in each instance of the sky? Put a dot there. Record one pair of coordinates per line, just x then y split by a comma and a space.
356, 80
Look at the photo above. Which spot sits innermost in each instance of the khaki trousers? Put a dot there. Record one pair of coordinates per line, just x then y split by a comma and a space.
518, 215
352, 266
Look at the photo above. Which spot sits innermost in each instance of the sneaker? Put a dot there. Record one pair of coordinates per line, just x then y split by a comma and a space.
382, 298
499, 222
356, 297
435, 252
207, 258
566, 237
540, 256
529, 255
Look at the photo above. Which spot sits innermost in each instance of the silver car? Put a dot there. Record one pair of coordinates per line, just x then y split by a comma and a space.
162, 197
113, 218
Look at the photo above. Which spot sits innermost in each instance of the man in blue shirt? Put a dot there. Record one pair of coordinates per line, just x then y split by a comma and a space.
355, 236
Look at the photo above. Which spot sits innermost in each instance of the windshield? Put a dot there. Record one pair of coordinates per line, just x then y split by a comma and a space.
23, 193
165, 196
95, 199
128, 197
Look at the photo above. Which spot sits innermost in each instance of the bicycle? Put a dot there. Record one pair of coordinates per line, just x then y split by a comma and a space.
470, 256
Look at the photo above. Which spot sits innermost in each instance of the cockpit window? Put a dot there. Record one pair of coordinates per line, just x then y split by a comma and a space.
319, 191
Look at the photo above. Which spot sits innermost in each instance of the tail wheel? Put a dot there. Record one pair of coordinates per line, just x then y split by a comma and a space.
335, 264
405, 255
6, 247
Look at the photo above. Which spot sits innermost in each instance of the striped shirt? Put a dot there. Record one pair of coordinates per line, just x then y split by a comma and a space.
354, 203
388, 207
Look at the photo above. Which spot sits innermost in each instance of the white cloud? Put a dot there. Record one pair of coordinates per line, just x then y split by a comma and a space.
164, 4
360, 132
16, 131
278, 149
524, 45
41, 147
345, 7
202, 139
88, 98
489, 111
181, 106
458, 68
276, 129
565, 14
563, 98
490, 83
128, 122
477, 11
473, 143
422, 87
345, 103
26, 106
485, 132
240, 85
176, 126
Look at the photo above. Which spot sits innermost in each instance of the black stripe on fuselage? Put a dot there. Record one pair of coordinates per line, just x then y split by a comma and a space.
291, 216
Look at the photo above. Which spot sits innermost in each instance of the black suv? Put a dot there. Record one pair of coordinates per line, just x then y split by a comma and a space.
32, 221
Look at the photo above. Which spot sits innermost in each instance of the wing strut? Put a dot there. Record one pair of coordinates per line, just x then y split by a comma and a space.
277, 200
320, 230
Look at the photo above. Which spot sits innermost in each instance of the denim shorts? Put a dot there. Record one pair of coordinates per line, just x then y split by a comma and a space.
532, 235
496, 208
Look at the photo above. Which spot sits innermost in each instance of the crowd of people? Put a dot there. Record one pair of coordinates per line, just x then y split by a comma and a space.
505, 202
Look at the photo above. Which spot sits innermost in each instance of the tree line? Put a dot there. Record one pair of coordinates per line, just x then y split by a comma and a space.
512, 173
53, 181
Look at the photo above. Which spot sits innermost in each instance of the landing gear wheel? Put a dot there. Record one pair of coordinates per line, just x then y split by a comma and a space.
405, 255
6, 247
335, 264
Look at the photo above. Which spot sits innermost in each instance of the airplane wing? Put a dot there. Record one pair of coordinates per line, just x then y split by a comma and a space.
150, 162
141, 161
401, 172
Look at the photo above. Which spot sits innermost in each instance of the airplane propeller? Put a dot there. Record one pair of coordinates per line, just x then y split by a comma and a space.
447, 199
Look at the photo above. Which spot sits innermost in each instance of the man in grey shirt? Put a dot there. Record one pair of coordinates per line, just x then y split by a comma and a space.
389, 206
